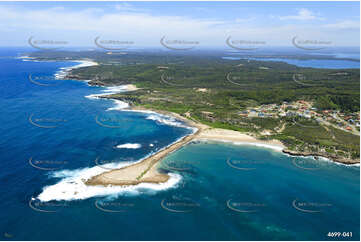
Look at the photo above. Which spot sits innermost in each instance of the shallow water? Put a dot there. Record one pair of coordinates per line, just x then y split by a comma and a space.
218, 191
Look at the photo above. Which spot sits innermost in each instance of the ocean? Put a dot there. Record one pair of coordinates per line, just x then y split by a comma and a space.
56, 133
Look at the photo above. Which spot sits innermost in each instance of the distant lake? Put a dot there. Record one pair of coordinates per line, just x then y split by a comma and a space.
51, 139
315, 63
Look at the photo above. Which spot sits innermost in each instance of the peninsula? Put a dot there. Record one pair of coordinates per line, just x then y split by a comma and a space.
303, 111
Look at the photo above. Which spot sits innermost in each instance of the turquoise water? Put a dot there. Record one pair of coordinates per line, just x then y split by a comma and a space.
263, 184
218, 191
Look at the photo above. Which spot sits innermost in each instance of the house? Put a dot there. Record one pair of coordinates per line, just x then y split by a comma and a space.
162, 67
290, 114
243, 113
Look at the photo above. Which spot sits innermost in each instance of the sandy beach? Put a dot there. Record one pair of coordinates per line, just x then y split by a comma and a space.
131, 87
84, 63
114, 90
237, 138
146, 170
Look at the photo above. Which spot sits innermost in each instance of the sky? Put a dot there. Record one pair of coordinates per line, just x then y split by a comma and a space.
205, 23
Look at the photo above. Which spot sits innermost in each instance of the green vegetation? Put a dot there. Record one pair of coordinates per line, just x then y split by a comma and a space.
215, 91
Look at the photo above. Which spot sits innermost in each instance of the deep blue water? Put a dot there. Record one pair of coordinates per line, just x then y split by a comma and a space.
315, 63
226, 191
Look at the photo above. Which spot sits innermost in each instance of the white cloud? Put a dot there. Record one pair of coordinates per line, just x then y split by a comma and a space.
126, 7
145, 29
303, 14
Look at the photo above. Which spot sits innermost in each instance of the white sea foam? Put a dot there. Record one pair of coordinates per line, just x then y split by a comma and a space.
143, 111
84, 63
119, 105
163, 119
108, 91
72, 186
129, 146
157, 117
65, 70
323, 159
279, 148
25, 58
92, 96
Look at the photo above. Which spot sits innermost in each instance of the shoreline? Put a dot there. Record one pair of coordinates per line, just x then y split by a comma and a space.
112, 90
83, 62
333, 158
217, 134
225, 135
146, 170
65, 71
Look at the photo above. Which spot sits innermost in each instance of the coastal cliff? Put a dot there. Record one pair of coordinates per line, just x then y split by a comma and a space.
322, 154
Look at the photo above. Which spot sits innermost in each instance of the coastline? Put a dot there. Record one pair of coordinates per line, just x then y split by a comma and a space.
333, 158
121, 104
65, 71
146, 171
226, 135
217, 134
203, 176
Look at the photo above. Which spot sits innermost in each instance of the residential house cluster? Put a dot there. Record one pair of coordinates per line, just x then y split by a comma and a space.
302, 108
